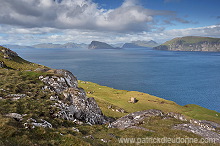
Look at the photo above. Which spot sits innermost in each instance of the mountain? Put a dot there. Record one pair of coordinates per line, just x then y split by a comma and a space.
59, 46
131, 45
150, 43
100, 45
191, 43
44, 106
17, 47
140, 44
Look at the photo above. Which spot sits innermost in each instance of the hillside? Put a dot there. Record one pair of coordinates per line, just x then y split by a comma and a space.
191, 43
100, 45
44, 106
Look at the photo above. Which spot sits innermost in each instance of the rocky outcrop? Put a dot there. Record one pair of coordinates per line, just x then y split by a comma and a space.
8, 54
134, 119
76, 105
60, 81
100, 45
191, 43
83, 108
196, 129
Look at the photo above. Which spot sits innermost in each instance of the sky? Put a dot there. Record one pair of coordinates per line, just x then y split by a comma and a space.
29, 22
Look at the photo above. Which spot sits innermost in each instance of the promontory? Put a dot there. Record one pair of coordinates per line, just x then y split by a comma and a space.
191, 43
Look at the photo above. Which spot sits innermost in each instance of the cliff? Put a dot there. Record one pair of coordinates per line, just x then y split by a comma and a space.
44, 106
191, 43
100, 45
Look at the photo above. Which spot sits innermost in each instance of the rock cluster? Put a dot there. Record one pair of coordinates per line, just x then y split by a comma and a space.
203, 128
134, 119
60, 81
8, 54
32, 123
76, 105
196, 129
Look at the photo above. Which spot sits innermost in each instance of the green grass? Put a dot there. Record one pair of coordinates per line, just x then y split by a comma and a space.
17, 63
108, 96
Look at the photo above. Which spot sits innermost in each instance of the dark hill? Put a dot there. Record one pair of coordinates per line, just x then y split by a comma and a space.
100, 45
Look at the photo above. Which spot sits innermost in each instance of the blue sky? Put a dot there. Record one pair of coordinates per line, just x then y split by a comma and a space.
27, 22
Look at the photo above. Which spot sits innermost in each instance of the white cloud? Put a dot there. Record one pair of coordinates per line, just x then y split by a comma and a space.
85, 36
59, 21
76, 14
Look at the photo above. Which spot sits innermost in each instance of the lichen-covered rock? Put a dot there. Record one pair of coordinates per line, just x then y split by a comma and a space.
60, 81
69, 77
84, 108
205, 124
16, 116
176, 116
32, 123
76, 105
8, 52
196, 129
134, 118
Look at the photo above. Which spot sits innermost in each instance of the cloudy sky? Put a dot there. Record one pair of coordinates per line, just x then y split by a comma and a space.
27, 22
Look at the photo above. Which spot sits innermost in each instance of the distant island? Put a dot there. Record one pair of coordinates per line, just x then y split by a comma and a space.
92, 45
191, 43
140, 44
100, 45
49, 46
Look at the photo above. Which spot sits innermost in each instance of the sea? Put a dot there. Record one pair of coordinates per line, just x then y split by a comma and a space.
182, 77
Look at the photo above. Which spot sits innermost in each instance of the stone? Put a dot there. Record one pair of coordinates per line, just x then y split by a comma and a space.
15, 97
75, 129
16, 116
89, 137
41, 69
54, 98
32, 123
176, 116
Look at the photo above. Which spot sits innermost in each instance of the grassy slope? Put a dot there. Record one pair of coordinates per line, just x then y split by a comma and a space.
108, 96
37, 105
18, 63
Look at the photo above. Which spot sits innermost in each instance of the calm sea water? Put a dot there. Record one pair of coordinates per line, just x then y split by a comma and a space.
183, 77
